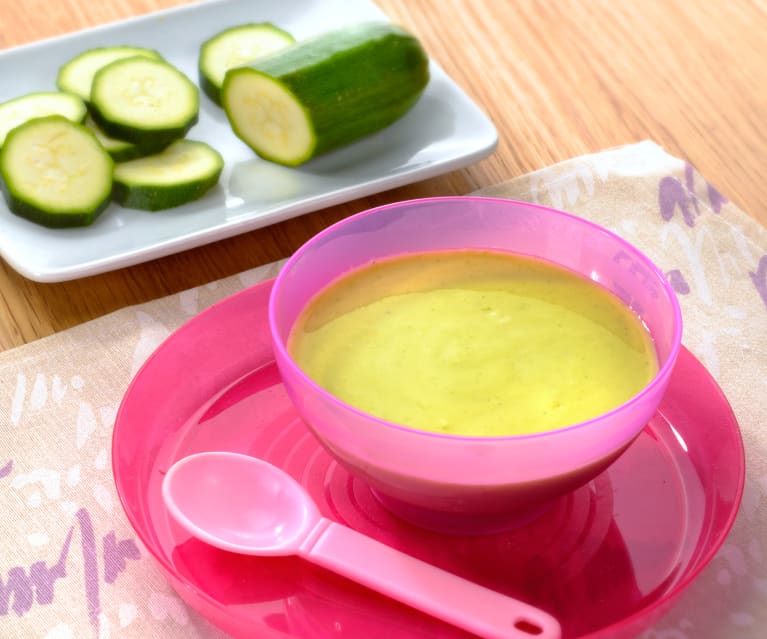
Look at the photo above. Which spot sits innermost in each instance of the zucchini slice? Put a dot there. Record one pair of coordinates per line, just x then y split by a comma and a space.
233, 47
36, 105
55, 173
120, 150
326, 92
183, 172
76, 76
145, 101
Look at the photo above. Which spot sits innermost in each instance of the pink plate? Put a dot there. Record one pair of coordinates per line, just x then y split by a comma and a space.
607, 560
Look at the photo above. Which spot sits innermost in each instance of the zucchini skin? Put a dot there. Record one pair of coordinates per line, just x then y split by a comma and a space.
51, 220
148, 141
150, 194
149, 199
131, 152
351, 82
119, 150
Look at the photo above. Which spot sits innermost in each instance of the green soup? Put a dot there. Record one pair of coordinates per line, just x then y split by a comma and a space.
474, 343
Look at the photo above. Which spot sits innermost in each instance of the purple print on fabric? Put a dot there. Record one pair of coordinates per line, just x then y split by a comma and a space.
677, 281
37, 583
673, 194
23, 587
759, 278
6, 470
90, 565
715, 199
115, 554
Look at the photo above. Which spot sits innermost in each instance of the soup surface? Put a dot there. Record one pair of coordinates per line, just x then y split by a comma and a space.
471, 342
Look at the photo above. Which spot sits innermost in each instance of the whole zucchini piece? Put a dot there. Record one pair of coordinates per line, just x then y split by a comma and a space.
325, 92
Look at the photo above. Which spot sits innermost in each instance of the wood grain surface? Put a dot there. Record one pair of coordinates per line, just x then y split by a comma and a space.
559, 78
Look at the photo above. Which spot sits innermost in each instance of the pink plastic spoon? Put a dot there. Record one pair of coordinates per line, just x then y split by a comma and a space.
246, 505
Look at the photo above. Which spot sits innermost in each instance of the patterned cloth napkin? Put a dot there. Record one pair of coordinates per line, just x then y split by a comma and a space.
71, 566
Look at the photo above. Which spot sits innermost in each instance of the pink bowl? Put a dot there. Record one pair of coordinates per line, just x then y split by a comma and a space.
473, 484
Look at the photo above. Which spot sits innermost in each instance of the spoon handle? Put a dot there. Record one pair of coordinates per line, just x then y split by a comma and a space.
441, 594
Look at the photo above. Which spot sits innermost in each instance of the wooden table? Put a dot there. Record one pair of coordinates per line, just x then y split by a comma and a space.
558, 77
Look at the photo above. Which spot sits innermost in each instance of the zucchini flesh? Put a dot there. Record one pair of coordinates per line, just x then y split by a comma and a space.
36, 105
326, 92
233, 47
145, 101
184, 171
275, 125
54, 172
76, 76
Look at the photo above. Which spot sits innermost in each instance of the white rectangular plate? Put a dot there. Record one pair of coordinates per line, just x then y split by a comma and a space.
443, 132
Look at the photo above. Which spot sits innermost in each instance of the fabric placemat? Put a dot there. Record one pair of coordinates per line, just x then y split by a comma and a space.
71, 566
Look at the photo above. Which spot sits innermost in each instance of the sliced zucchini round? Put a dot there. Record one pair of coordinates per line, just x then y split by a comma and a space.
76, 76
184, 171
236, 46
54, 172
145, 101
326, 92
35, 105
120, 150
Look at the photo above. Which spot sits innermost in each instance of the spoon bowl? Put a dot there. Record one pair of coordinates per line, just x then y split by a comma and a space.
245, 505
239, 503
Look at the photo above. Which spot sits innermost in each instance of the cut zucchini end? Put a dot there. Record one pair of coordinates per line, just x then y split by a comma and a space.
183, 172
268, 117
55, 173
234, 47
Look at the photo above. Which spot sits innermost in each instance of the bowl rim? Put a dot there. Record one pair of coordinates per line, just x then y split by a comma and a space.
660, 377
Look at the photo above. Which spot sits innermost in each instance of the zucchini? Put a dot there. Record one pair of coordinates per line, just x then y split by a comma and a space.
120, 150
326, 92
183, 172
233, 47
145, 101
55, 173
76, 76
35, 105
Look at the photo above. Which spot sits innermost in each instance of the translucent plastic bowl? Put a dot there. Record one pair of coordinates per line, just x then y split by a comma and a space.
473, 484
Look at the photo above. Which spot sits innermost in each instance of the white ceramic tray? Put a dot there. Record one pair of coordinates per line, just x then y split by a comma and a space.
443, 132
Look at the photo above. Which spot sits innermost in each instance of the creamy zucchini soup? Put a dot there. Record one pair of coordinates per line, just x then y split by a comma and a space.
473, 342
